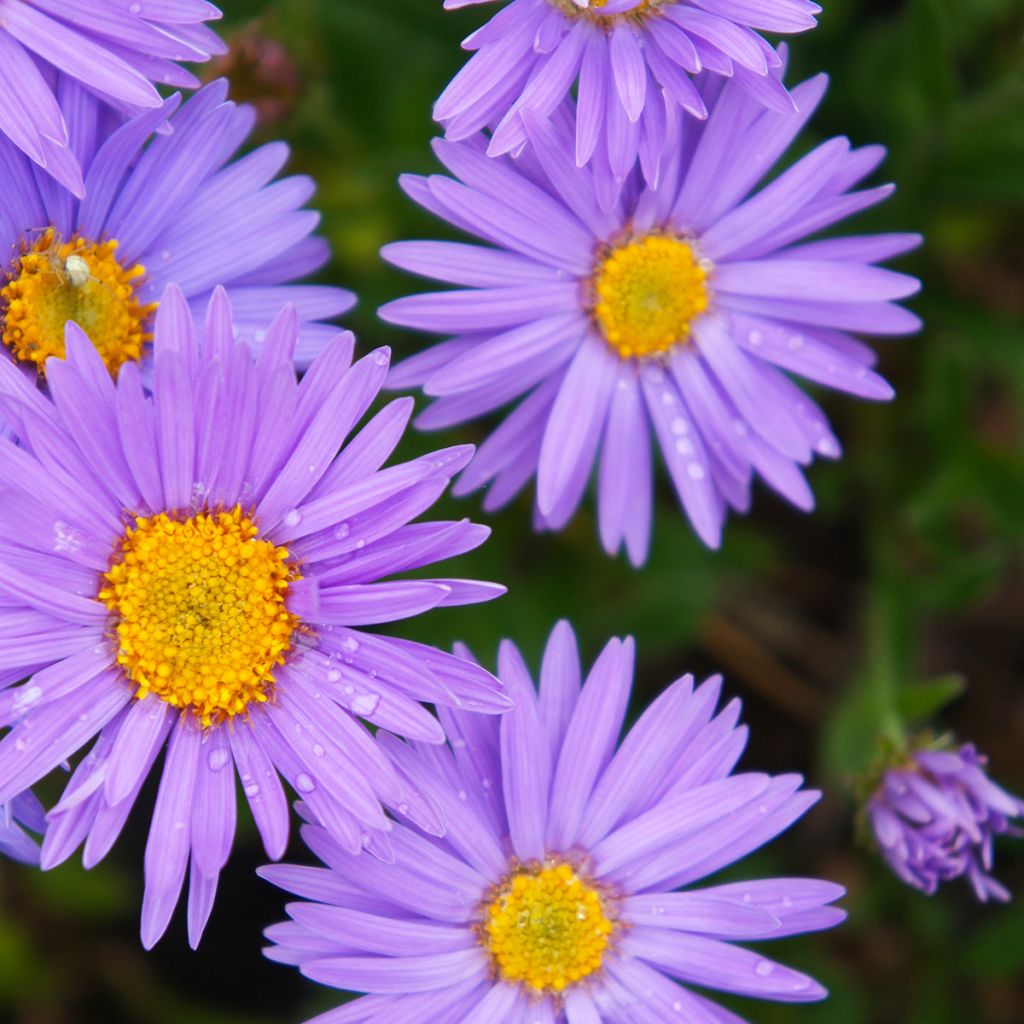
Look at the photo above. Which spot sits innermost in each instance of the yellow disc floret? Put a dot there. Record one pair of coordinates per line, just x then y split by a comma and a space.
546, 927
593, 10
54, 281
646, 294
200, 610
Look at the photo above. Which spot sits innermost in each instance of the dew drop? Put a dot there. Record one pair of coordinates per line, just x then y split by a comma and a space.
350, 644
341, 531
318, 751
333, 676
304, 784
252, 790
20, 743
293, 518
365, 703
463, 795
695, 471
348, 689
684, 446
179, 826
680, 426
755, 338
382, 357
763, 968
165, 255
26, 697
217, 759
134, 8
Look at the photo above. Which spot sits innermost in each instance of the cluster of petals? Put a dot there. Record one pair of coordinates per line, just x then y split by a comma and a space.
721, 404
178, 206
645, 819
936, 818
22, 813
117, 51
222, 428
632, 60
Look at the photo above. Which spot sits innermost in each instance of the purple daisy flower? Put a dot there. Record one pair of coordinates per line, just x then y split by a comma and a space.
24, 811
682, 310
193, 570
632, 59
554, 894
935, 816
170, 210
116, 50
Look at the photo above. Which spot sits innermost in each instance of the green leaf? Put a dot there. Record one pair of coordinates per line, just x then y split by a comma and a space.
922, 701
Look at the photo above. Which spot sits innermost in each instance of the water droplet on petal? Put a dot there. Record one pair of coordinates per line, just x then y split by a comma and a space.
763, 968
318, 751
293, 518
304, 784
252, 790
217, 759
695, 471
365, 703
333, 676
341, 531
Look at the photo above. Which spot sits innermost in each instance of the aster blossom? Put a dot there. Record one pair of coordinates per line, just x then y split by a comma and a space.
632, 61
935, 815
115, 50
161, 208
682, 310
17, 815
193, 571
553, 894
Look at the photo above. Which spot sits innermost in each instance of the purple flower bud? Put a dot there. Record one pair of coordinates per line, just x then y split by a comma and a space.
935, 817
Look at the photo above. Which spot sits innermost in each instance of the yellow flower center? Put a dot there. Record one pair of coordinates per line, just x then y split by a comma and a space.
546, 927
593, 10
200, 607
52, 282
646, 294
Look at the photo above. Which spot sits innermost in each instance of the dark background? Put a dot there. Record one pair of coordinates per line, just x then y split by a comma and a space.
909, 572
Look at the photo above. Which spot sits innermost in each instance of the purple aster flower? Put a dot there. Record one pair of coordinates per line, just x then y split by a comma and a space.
170, 210
632, 59
621, 311
935, 816
24, 811
564, 887
116, 50
193, 571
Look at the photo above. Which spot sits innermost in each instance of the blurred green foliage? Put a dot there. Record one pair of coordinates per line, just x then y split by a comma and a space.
905, 583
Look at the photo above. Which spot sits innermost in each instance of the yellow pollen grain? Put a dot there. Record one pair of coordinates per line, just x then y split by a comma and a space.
54, 281
200, 611
546, 928
646, 294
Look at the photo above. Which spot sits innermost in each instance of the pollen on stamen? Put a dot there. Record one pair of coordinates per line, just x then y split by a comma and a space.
200, 611
647, 292
53, 281
547, 927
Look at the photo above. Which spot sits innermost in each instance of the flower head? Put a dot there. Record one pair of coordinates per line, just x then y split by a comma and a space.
114, 50
170, 210
565, 882
936, 814
616, 311
23, 812
193, 570
632, 61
